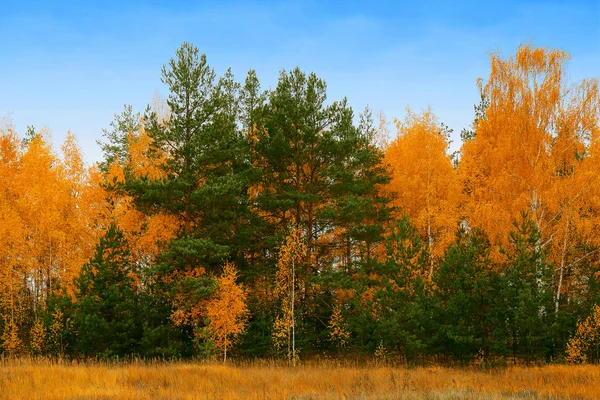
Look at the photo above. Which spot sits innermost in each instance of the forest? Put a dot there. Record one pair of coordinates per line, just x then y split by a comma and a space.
229, 221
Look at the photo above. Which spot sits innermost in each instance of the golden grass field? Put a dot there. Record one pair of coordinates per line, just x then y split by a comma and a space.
25, 379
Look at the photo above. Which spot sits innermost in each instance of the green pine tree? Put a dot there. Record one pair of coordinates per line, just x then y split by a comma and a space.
466, 291
318, 174
105, 314
528, 293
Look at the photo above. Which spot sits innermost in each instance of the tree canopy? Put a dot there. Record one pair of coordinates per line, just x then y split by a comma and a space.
245, 222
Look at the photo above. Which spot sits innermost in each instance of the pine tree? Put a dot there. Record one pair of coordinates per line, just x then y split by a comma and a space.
201, 160
106, 313
320, 176
528, 293
402, 283
465, 297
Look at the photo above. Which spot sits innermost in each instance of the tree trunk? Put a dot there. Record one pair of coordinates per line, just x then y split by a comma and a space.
562, 266
429, 237
293, 314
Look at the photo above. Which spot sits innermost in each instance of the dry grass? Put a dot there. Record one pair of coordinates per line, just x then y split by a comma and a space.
45, 380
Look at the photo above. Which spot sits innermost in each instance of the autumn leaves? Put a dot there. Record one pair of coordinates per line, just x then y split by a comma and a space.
424, 181
50, 207
530, 158
532, 149
272, 221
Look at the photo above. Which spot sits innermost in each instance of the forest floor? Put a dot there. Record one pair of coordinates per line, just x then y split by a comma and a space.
26, 379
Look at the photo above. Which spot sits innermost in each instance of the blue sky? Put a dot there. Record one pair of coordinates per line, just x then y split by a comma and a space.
74, 64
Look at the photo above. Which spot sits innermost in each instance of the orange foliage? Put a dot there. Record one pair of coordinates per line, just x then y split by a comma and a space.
424, 180
586, 336
284, 330
187, 310
49, 215
146, 234
227, 310
144, 162
338, 331
508, 167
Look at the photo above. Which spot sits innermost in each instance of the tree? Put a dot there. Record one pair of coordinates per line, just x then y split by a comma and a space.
424, 181
527, 293
284, 331
465, 296
190, 168
38, 338
392, 293
116, 144
507, 163
106, 313
338, 331
320, 176
572, 193
51, 217
201, 157
585, 338
11, 342
12, 232
532, 151
514, 159
227, 310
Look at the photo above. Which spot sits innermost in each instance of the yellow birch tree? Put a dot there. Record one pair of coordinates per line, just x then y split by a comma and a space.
227, 310
284, 330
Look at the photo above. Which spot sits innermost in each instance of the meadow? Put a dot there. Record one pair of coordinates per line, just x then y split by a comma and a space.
27, 379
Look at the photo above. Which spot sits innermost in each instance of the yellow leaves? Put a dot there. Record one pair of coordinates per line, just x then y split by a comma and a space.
72, 159
146, 234
57, 329
143, 162
179, 317
38, 338
586, 336
528, 149
50, 212
11, 342
282, 328
160, 228
381, 352
424, 180
116, 173
371, 303
290, 254
539, 60
338, 331
186, 310
227, 310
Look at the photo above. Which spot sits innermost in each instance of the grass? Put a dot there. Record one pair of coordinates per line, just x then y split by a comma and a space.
26, 379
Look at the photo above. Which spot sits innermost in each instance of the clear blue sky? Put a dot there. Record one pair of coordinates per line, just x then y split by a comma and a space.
74, 64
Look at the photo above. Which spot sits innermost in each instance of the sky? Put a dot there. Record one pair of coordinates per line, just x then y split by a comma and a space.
72, 65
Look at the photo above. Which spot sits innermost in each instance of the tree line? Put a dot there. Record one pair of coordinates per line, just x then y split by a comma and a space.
228, 219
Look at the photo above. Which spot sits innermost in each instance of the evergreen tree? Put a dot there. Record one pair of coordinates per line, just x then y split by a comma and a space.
205, 157
465, 298
106, 316
528, 293
116, 144
401, 291
203, 182
319, 175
